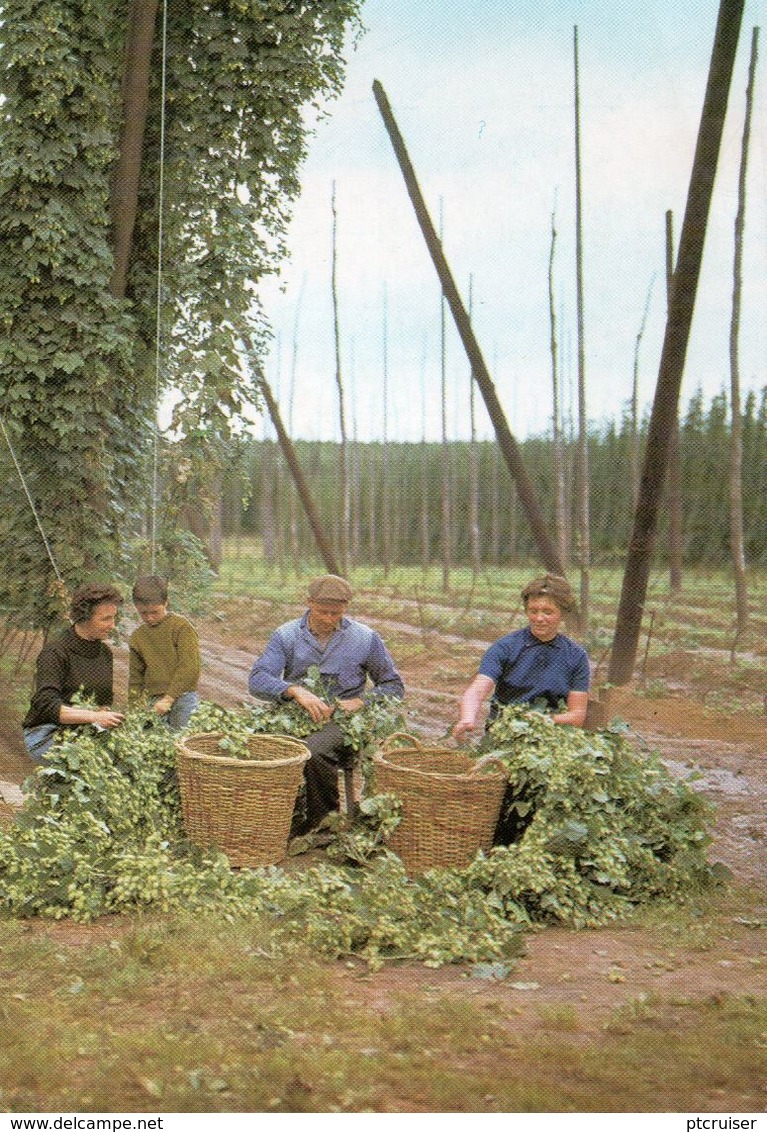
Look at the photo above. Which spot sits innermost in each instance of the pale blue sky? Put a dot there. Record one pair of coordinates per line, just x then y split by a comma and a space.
483, 94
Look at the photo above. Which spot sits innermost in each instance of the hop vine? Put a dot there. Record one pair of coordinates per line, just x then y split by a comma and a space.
603, 827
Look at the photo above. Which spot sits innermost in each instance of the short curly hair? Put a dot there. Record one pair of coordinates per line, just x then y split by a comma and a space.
86, 598
553, 586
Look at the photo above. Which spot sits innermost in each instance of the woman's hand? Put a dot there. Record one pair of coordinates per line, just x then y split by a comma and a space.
471, 702
101, 717
108, 718
575, 716
462, 728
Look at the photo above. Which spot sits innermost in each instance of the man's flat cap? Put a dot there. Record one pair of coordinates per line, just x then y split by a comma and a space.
330, 588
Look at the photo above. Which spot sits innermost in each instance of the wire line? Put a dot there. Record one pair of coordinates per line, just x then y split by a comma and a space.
31, 501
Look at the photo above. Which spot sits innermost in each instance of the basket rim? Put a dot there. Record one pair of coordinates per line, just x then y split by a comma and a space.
301, 756
469, 776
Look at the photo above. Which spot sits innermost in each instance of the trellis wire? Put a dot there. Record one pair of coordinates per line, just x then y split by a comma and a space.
31, 502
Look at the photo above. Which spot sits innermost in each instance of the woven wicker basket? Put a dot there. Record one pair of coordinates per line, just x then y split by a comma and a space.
241, 806
448, 812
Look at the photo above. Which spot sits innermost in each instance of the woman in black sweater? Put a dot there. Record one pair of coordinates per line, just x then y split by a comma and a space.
77, 660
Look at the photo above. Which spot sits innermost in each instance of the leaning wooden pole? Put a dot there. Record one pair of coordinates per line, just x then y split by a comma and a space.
506, 441
299, 479
684, 290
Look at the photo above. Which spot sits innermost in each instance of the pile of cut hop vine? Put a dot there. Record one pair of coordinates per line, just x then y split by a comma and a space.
602, 828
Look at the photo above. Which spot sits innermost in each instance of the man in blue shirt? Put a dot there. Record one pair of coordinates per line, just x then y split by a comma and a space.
347, 654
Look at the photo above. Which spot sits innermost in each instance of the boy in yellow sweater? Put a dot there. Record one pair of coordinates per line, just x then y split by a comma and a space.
164, 658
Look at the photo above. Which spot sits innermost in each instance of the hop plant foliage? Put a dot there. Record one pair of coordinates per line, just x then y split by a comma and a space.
371, 723
606, 828
249, 78
105, 804
601, 826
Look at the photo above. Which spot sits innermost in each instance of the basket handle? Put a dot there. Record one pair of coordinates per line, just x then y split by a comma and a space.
389, 743
485, 760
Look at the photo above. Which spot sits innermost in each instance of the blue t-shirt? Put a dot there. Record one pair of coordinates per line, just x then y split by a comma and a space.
525, 669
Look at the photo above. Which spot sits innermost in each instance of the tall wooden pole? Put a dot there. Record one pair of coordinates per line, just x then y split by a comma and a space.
474, 539
673, 355
292, 511
674, 456
343, 452
635, 399
299, 479
279, 470
123, 204
737, 534
582, 451
560, 494
386, 511
355, 538
425, 550
506, 441
446, 507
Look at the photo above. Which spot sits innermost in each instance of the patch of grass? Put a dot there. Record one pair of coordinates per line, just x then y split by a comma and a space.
704, 923
719, 1057
15, 696
560, 1017
641, 1008
654, 689
406, 648
174, 1015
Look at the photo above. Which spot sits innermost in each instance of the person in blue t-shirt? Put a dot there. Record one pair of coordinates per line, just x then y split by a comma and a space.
534, 665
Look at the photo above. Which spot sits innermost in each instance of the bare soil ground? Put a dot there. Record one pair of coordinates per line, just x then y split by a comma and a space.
591, 973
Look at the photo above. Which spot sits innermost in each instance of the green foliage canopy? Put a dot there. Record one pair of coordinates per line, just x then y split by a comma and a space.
244, 79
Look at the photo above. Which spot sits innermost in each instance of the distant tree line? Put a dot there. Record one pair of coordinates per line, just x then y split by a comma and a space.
258, 498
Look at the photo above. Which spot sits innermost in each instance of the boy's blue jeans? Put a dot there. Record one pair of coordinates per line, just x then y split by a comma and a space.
178, 716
